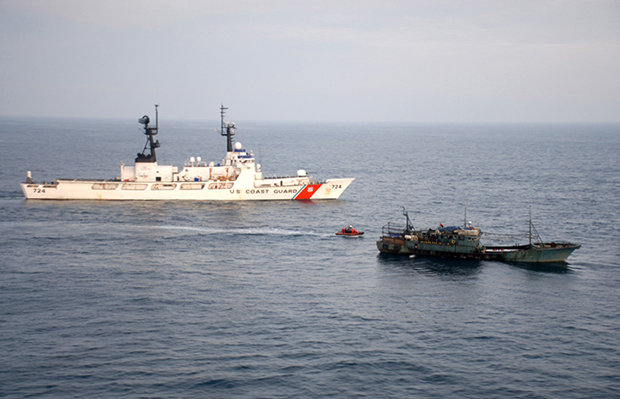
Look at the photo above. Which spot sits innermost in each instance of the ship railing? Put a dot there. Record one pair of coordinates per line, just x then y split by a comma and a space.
292, 180
473, 232
287, 177
516, 238
85, 179
394, 230
504, 238
555, 244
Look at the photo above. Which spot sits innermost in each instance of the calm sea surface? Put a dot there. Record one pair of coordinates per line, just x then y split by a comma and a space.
261, 300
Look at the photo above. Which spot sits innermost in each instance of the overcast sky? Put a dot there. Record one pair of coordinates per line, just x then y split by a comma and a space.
313, 60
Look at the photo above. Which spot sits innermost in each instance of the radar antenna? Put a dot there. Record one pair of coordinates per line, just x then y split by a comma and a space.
151, 144
227, 129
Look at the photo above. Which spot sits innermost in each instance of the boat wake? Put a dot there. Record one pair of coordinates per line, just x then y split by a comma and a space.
244, 231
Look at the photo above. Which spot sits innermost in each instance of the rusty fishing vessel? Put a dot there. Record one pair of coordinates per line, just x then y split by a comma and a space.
463, 242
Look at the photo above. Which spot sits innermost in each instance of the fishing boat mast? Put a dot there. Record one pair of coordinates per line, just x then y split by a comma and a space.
465, 217
533, 230
409, 227
530, 226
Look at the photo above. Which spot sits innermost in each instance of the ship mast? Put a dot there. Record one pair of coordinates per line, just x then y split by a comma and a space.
530, 225
465, 217
533, 231
151, 144
230, 129
409, 227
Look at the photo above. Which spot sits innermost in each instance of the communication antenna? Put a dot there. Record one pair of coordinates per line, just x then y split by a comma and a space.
465, 217
151, 144
227, 128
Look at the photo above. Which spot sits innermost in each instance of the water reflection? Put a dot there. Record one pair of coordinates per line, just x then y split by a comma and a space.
454, 267
555, 267
428, 265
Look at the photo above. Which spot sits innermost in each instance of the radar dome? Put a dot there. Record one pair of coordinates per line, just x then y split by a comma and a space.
301, 173
238, 146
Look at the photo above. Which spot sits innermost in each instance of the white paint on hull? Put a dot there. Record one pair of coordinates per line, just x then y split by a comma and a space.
170, 191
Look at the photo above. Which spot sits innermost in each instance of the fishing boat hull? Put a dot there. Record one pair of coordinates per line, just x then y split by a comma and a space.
547, 253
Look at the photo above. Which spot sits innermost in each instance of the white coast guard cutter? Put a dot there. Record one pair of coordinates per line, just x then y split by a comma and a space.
236, 177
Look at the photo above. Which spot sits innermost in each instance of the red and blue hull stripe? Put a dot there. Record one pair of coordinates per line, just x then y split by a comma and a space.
307, 192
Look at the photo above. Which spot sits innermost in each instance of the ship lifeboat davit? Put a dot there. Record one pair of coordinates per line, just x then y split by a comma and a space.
349, 232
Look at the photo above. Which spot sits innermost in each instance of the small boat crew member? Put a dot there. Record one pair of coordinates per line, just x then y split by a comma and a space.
349, 230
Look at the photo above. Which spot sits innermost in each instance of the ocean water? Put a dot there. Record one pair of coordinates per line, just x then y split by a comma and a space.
261, 300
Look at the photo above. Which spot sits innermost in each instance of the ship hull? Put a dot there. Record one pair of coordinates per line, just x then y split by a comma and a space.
547, 253
114, 190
